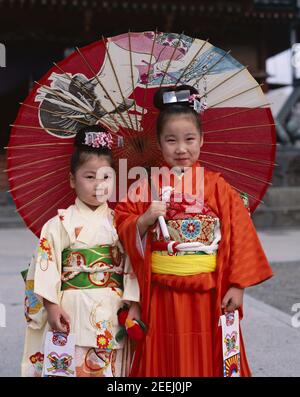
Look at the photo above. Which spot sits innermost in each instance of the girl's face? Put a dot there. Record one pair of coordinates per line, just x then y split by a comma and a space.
93, 181
180, 141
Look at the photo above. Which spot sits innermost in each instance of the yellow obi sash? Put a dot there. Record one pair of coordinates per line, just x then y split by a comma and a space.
183, 265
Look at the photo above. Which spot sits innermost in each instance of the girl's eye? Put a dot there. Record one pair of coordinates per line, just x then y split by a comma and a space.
191, 139
90, 177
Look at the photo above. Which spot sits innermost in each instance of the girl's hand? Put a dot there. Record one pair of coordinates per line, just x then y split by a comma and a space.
156, 209
233, 299
57, 317
134, 311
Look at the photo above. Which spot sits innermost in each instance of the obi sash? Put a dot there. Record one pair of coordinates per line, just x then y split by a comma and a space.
96, 267
183, 265
193, 249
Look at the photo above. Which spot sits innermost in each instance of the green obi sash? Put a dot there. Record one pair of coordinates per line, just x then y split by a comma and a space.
91, 268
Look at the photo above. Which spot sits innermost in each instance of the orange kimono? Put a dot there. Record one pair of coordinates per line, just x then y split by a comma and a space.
182, 312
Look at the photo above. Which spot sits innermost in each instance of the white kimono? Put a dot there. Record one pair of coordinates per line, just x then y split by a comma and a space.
92, 312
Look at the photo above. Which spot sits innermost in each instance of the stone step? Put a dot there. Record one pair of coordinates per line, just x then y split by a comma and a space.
9, 217
281, 207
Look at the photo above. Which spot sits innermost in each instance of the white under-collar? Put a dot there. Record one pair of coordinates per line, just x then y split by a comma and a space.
179, 172
85, 209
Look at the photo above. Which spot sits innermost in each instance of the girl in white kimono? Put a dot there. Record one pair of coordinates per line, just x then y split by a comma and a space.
79, 278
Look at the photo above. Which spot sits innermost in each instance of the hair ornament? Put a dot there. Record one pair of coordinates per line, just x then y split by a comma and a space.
185, 97
98, 139
197, 103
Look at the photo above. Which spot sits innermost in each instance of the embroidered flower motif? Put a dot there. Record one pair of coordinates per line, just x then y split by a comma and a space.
44, 244
108, 334
37, 358
191, 228
105, 339
61, 217
44, 249
102, 341
32, 303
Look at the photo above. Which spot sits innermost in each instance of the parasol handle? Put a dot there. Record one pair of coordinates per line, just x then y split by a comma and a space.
164, 229
166, 193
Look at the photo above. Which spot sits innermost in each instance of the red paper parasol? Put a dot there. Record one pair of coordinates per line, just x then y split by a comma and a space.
112, 82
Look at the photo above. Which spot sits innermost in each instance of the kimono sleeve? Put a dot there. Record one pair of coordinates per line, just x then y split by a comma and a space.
126, 216
131, 285
35, 313
47, 276
248, 262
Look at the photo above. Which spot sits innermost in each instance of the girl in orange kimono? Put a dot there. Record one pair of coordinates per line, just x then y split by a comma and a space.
183, 294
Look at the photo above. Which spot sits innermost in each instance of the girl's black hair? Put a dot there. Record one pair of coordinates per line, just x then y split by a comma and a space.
83, 152
172, 109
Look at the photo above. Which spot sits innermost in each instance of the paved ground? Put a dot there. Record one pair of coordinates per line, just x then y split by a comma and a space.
16, 247
272, 343
282, 247
281, 244
283, 290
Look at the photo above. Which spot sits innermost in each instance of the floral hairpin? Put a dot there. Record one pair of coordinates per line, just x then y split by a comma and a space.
98, 139
199, 104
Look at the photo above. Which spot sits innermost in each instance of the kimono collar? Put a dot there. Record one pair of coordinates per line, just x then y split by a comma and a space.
188, 173
86, 210
196, 164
